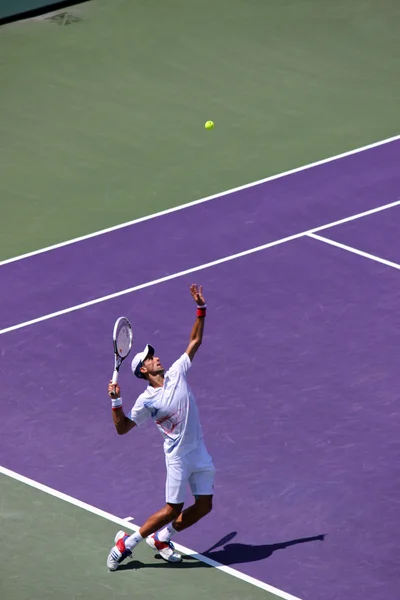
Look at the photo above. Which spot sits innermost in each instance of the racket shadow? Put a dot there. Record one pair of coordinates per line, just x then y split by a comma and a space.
231, 554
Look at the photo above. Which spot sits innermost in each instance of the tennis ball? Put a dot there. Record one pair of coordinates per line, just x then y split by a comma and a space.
209, 125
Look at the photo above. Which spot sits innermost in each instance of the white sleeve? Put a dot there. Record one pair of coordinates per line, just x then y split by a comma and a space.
140, 412
182, 365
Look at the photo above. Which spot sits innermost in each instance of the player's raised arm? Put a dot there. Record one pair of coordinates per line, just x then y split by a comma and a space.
121, 421
196, 336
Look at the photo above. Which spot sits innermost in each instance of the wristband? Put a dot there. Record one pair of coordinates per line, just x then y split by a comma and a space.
116, 403
201, 311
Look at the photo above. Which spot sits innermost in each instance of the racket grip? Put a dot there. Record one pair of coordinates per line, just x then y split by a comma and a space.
115, 377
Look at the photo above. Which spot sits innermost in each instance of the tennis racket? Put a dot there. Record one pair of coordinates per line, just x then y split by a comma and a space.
122, 339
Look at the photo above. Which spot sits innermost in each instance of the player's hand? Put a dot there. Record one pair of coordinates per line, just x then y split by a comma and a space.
197, 294
114, 391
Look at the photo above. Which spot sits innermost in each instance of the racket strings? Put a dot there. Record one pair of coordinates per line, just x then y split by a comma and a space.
123, 341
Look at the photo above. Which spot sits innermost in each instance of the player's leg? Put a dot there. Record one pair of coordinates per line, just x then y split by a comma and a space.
163, 516
175, 489
201, 507
201, 481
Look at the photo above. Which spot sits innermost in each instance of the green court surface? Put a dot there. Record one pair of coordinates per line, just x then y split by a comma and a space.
53, 550
102, 120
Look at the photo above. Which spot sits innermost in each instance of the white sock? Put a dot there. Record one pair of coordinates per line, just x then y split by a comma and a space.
165, 534
133, 540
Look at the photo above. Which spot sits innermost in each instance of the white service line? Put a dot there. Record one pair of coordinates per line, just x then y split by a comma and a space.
127, 525
213, 263
366, 213
325, 240
206, 199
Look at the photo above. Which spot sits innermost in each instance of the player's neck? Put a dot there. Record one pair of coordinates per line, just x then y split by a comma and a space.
156, 381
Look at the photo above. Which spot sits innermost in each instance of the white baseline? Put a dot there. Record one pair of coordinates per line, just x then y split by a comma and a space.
126, 524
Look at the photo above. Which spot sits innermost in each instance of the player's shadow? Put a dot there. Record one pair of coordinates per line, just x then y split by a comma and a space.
231, 554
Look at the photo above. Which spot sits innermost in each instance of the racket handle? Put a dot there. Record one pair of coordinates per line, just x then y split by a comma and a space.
115, 377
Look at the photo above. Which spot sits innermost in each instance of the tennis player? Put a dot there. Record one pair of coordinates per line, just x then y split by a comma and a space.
170, 403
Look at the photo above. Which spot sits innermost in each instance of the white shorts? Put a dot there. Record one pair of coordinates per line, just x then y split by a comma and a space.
195, 469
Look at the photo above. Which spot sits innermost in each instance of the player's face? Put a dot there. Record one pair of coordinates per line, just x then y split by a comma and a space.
153, 365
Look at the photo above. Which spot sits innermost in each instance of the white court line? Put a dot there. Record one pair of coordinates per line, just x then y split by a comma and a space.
213, 263
325, 240
201, 200
127, 525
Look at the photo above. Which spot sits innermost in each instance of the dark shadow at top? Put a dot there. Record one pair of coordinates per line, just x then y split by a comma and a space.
35, 9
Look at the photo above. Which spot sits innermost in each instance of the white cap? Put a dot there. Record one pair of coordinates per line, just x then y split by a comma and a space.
138, 359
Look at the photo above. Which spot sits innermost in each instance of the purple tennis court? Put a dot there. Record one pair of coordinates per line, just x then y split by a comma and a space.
296, 381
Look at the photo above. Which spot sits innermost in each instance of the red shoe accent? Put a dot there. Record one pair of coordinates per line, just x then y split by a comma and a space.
121, 544
160, 545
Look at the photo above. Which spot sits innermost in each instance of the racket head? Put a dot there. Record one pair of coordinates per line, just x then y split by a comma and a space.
122, 337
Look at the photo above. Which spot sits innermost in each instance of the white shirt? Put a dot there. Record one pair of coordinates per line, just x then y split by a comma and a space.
174, 410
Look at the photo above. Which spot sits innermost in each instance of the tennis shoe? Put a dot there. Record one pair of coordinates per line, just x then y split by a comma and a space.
165, 549
119, 552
